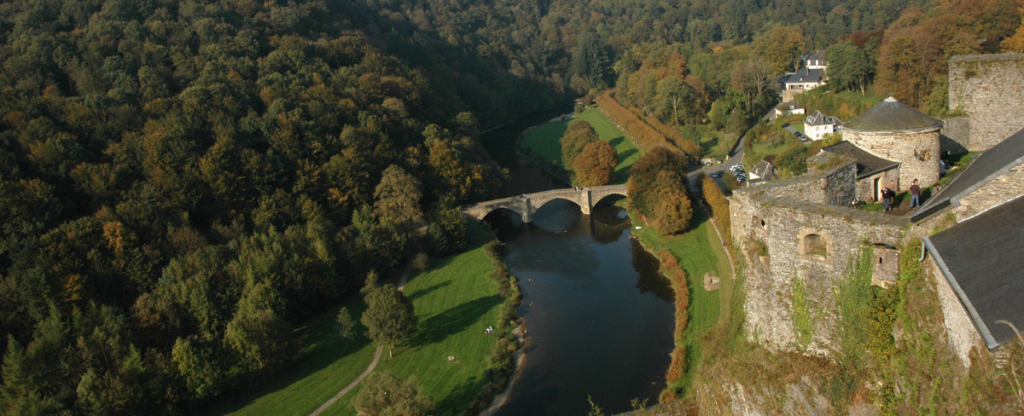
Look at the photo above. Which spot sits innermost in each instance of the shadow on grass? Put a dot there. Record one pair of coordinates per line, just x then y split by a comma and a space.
423, 292
616, 141
452, 321
321, 347
625, 155
460, 397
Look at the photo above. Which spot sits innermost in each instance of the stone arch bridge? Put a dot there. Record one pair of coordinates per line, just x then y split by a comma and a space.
526, 205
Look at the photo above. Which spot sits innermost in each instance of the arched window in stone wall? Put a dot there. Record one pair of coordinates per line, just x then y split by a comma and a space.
814, 245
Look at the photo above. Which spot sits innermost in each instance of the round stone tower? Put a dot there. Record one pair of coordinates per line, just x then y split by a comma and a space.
894, 131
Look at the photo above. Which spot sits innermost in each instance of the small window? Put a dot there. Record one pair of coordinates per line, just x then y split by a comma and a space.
814, 245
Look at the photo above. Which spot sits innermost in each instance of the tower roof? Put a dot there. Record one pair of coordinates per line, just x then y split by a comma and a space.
892, 115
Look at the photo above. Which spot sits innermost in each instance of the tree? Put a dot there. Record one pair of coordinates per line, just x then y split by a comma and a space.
398, 198
848, 66
346, 326
1015, 43
389, 317
574, 140
793, 162
673, 213
673, 90
781, 45
446, 233
384, 394
595, 166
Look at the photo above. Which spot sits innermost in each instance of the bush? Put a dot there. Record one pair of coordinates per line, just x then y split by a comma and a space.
719, 207
793, 162
421, 262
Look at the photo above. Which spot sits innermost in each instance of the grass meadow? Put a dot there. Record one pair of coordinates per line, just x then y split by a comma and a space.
455, 301
698, 251
542, 141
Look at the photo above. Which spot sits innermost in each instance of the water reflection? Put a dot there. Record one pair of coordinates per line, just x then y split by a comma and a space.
599, 315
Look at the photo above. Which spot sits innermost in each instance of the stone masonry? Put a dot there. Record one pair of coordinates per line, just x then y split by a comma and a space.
959, 328
918, 152
526, 205
989, 89
792, 226
1001, 189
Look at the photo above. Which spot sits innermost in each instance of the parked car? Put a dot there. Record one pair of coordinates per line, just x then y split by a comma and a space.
716, 174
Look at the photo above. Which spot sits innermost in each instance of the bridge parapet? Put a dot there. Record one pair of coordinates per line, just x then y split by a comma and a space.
526, 205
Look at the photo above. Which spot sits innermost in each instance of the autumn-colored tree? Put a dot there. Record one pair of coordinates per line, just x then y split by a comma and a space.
398, 197
1015, 43
781, 45
673, 213
595, 166
574, 140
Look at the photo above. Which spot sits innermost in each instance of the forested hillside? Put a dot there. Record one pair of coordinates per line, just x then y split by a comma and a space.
182, 183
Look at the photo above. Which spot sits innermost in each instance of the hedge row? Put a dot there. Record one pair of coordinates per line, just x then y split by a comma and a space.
677, 368
499, 360
642, 134
688, 146
719, 207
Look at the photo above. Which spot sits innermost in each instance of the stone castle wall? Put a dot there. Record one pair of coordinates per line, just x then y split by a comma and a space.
959, 328
866, 187
988, 89
918, 152
1007, 186
790, 225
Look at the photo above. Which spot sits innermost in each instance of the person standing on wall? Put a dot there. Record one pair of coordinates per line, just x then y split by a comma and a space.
887, 196
915, 195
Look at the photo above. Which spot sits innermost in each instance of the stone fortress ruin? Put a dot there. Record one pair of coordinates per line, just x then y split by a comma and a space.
802, 239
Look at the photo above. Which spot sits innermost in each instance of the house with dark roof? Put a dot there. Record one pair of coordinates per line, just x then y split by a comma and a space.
804, 79
873, 172
817, 125
788, 108
814, 60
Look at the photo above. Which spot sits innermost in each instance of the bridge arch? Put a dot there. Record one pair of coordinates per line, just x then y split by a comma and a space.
526, 205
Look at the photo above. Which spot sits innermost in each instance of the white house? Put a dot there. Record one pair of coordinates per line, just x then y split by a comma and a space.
787, 108
814, 60
817, 125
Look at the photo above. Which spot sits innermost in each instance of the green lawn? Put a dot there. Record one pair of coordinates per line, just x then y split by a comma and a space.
798, 127
325, 366
699, 251
542, 141
456, 301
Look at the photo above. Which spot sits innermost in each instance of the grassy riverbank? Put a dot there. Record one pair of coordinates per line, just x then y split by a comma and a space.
541, 142
455, 300
698, 251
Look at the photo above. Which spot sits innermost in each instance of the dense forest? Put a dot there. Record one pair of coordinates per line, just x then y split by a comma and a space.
184, 182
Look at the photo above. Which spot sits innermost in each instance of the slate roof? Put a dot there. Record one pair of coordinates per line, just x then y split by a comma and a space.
984, 168
867, 163
788, 105
804, 75
816, 58
892, 115
982, 259
819, 119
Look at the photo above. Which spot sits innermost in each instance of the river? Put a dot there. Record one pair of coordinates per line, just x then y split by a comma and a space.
599, 316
